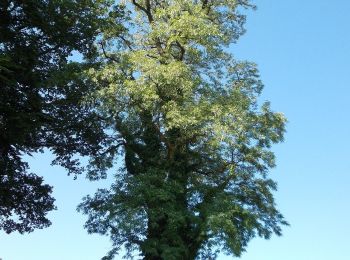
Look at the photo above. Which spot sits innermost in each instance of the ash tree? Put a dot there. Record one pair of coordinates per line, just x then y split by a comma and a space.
40, 97
184, 116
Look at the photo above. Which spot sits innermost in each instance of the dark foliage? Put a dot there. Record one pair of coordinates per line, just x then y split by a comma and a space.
41, 98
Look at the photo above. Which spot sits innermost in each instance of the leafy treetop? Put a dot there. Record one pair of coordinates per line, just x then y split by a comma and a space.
196, 142
40, 101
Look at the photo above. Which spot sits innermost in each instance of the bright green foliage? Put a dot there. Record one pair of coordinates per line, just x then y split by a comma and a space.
196, 142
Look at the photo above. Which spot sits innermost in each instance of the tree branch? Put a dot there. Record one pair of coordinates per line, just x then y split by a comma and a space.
106, 55
127, 42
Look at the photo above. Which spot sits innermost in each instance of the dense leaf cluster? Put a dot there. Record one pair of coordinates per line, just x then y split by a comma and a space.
40, 97
196, 142
158, 88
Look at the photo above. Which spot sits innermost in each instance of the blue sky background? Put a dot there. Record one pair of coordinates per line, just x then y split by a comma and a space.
303, 52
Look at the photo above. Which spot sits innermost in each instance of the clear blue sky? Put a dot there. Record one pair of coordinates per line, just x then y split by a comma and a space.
303, 52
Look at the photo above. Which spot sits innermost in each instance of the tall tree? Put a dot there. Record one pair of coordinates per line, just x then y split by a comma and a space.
196, 142
40, 97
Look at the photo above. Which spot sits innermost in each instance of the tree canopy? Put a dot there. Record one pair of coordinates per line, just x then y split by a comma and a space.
40, 99
195, 140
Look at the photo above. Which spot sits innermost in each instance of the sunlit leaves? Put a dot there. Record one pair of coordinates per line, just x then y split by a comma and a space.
195, 137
